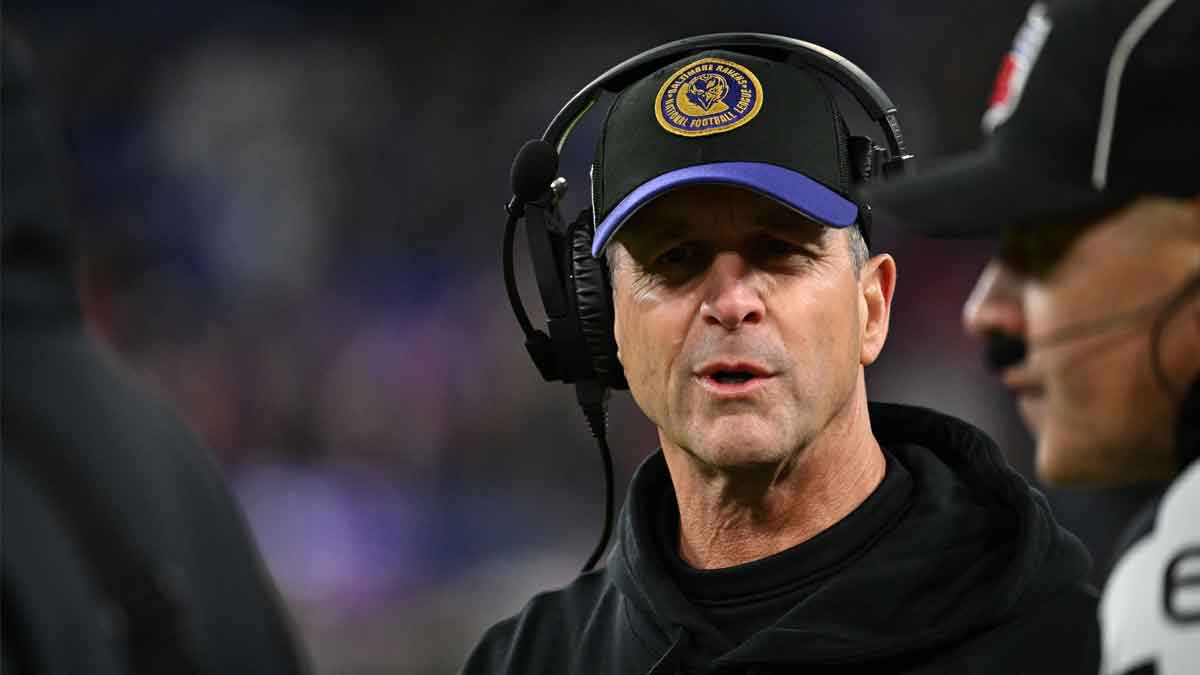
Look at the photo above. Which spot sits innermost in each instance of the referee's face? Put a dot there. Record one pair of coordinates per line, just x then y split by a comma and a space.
1086, 305
741, 325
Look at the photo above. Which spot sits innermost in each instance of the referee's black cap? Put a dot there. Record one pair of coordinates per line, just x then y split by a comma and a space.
1094, 104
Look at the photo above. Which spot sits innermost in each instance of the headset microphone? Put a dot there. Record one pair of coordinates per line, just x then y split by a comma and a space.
1002, 350
534, 168
535, 194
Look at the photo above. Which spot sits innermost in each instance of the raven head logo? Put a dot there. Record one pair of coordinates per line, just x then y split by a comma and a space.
707, 90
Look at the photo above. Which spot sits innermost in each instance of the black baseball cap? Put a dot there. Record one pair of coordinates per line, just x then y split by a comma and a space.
723, 117
1093, 105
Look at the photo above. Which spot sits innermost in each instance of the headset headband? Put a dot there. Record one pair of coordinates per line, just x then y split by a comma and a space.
869, 95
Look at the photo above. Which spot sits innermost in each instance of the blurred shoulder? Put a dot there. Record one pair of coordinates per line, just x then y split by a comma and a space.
548, 633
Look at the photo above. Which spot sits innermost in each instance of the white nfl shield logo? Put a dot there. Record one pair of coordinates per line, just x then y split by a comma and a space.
1015, 68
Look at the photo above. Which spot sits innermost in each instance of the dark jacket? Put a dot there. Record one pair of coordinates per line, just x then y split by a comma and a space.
938, 592
123, 551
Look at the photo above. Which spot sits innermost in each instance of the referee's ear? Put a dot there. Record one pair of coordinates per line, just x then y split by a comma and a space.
876, 283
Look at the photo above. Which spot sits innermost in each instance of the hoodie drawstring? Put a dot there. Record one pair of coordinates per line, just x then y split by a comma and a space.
669, 663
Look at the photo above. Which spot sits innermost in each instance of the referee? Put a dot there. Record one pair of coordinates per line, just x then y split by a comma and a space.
1091, 309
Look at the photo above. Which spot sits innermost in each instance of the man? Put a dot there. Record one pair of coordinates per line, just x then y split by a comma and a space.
1092, 307
785, 525
123, 550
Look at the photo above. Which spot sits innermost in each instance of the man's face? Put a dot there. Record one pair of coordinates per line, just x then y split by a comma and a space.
1086, 388
741, 325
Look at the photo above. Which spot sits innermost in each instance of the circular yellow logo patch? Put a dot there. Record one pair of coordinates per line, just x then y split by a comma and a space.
708, 96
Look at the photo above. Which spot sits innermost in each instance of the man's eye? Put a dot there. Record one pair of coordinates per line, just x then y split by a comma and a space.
779, 247
676, 255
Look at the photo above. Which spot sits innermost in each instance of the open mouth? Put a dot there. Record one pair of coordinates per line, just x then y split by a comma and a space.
732, 376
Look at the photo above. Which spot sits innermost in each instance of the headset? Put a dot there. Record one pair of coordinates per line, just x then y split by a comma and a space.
578, 346
1003, 350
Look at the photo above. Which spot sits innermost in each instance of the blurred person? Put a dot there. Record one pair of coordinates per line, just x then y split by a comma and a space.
785, 524
123, 550
1091, 309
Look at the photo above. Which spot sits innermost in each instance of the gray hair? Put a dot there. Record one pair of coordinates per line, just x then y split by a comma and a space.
859, 251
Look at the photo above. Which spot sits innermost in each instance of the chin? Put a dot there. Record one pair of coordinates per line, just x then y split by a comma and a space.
733, 444
1056, 472
1092, 463
1065, 461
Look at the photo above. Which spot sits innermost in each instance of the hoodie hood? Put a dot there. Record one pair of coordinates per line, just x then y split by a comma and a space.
976, 545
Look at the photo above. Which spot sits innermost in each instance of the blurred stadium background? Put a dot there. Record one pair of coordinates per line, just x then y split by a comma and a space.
291, 222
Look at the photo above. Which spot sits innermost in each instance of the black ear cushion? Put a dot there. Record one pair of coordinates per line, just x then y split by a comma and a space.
593, 298
862, 159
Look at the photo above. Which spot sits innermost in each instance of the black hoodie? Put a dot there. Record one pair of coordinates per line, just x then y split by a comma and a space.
972, 576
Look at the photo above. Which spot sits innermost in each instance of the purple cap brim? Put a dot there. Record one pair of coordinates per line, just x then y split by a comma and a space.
790, 188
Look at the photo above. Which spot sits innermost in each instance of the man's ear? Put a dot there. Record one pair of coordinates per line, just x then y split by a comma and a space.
877, 283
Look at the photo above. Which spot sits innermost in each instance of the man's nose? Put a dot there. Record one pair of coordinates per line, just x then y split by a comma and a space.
732, 294
994, 305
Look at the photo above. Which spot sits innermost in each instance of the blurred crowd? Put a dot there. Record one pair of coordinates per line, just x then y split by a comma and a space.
291, 219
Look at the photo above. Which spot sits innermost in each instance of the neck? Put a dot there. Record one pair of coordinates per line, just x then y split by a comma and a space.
734, 515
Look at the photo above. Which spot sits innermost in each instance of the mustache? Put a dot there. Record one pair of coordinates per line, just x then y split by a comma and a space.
1002, 350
